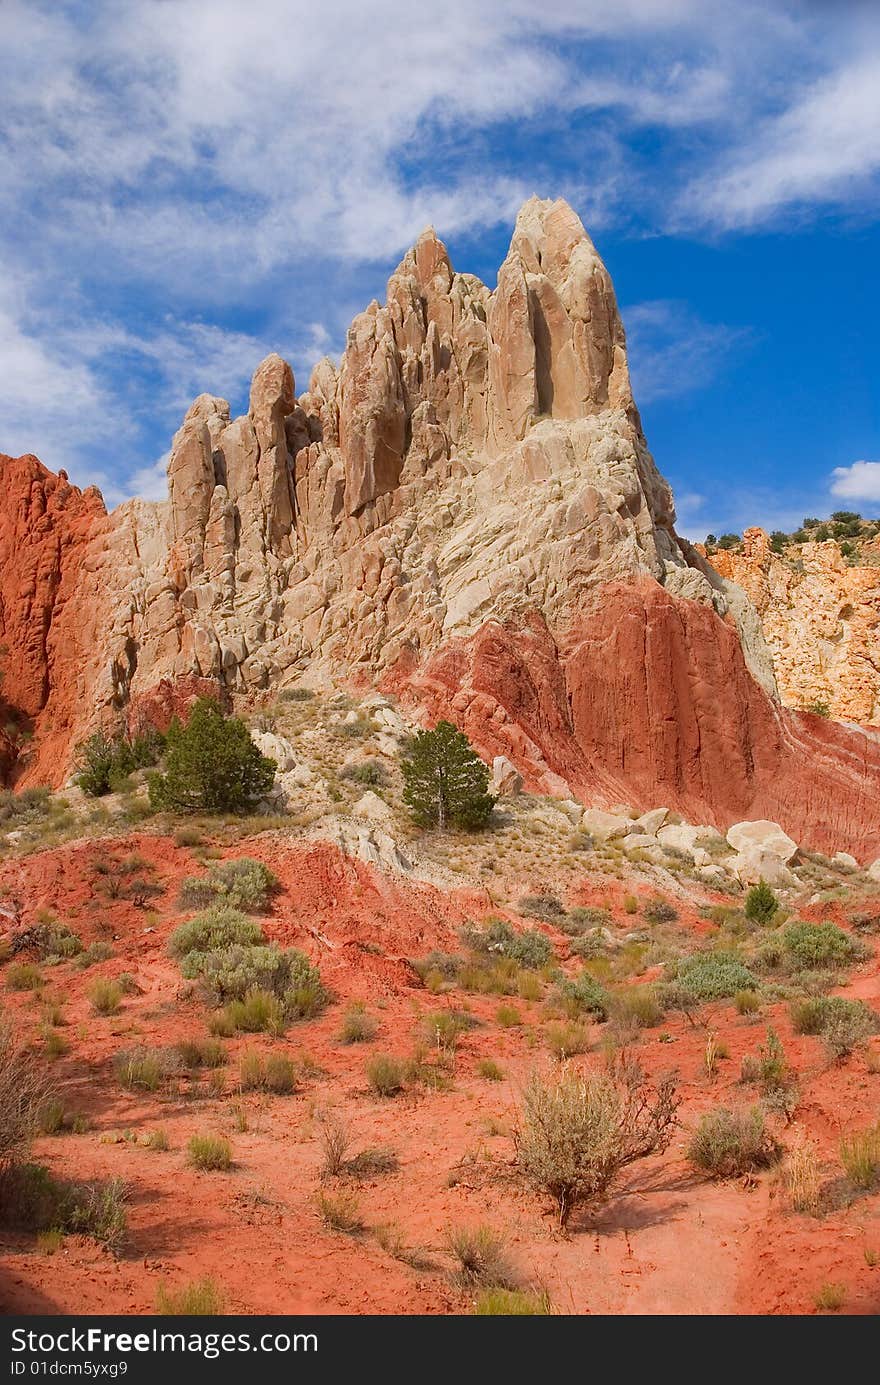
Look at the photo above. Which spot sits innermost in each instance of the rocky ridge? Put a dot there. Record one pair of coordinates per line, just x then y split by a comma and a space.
465, 514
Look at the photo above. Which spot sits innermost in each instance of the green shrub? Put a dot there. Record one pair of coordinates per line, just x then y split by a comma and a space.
260, 1012
566, 1040
712, 975
232, 973
769, 1068
210, 1153
582, 995
35, 1199
220, 926
272, 1072
340, 1211
357, 1026
201, 1298
385, 1074
211, 765
201, 1053
95, 952
242, 883
728, 1143
103, 763
445, 783
368, 772
747, 1002
818, 945
580, 919
761, 903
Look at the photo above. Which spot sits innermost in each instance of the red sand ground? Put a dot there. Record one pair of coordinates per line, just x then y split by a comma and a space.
667, 1242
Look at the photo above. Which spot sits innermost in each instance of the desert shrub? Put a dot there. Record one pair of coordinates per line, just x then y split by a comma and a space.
818, 945
769, 1068
242, 883
578, 1132
638, 1004
541, 906
23, 1096
385, 1074
147, 1069
35, 1199
660, 911
219, 926
158, 1140
335, 1138
829, 1298
630, 904
260, 1012
340, 1211
728, 1142
201, 1298
860, 1157
712, 975
211, 765
445, 1027
95, 952
105, 996
761, 903
582, 995
201, 1053
747, 1002
528, 986
510, 1303
370, 773
802, 1178
358, 1027
267, 1072
529, 949
480, 1256
370, 1161
842, 1024
445, 783
234, 973
490, 1070
296, 695
24, 976
508, 1016
210, 1153
53, 941
566, 1040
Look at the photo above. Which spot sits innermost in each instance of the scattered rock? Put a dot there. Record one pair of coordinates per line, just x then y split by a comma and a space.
605, 827
506, 779
764, 836
752, 865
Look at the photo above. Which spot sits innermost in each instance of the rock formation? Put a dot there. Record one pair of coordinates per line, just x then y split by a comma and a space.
821, 620
464, 512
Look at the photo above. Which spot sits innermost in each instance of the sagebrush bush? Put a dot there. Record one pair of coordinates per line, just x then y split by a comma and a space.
841, 1024
582, 995
576, 1133
210, 1153
660, 911
712, 975
814, 945
236, 972
219, 926
530, 949
729, 1142
242, 883
541, 906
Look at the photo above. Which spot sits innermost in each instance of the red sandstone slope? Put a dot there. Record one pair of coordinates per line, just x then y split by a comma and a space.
649, 700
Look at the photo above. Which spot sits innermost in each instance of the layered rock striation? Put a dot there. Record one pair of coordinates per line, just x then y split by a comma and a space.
464, 511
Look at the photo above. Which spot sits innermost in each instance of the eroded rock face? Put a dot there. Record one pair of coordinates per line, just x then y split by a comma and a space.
821, 620
464, 512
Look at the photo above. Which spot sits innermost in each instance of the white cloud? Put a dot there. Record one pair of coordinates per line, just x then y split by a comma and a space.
861, 481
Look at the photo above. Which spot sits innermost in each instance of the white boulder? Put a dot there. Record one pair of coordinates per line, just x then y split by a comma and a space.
764, 836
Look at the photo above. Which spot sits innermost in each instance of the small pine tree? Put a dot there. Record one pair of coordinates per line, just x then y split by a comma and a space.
761, 903
446, 784
211, 765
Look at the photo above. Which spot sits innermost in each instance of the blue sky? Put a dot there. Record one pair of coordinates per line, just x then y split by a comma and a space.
189, 184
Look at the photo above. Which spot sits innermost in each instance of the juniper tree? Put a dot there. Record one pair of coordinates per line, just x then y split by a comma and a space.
211, 765
446, 783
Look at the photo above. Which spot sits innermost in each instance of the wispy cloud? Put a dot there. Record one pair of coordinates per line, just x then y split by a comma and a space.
672, 351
